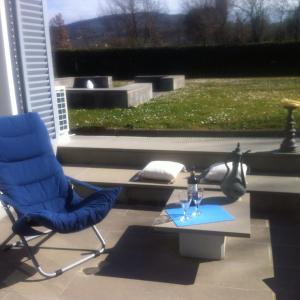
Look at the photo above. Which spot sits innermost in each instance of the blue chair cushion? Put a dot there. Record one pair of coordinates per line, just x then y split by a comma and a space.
82, 215
34, 183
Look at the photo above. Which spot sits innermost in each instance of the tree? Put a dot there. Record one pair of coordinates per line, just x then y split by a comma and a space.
59, 33
150, 11
206, 20
201, 26
240, 31
256, 14
127, 10
293, 22
138, 19
280, 11
222, 7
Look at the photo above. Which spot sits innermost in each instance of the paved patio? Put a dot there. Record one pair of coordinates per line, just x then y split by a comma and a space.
144, 264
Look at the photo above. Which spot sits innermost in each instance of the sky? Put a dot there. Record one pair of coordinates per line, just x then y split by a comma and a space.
76, 10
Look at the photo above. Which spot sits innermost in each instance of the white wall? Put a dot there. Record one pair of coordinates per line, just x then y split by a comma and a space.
8, 104
7, 90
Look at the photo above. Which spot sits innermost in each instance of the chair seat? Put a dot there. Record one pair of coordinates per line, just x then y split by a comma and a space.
78, 216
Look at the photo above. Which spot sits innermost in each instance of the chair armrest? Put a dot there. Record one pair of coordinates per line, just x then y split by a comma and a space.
84, 184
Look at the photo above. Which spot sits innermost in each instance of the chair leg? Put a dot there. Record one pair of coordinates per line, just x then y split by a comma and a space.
5, 246
68, 267
24, 242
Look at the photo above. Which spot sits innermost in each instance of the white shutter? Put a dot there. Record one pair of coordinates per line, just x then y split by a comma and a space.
36, 61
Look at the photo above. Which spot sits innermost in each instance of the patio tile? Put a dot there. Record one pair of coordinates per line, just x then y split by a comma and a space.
285, 280
149, 256
24, 280
18, 296
19, 275
286, 256
105, 289
259, 222
287, 296
220, 293
143, 212
2, 295
246, 251
234, 275
260, 234
141, 263
285, 235
121, 222
283, 220
5, 226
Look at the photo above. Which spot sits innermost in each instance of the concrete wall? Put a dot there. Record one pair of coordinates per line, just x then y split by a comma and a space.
127, 96
80, 82
163, 83
8, 105
7, 92
67, 82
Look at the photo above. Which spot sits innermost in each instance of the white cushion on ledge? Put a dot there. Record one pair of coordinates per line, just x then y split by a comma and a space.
162, 170
217, 171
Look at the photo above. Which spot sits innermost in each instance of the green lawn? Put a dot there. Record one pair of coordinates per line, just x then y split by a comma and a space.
251, 103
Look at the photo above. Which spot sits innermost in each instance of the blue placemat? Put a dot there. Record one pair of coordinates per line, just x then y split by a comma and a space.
209, 214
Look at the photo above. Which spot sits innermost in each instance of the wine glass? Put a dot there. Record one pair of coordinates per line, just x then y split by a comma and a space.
185, 204
197, 198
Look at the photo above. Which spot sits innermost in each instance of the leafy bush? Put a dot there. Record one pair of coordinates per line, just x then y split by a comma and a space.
219, 61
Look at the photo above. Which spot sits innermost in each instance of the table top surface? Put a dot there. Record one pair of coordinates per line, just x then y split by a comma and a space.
239, 209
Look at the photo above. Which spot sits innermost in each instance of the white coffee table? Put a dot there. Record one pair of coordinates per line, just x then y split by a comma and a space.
208, 241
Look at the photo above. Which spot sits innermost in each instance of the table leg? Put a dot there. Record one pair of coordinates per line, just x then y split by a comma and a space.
202, 245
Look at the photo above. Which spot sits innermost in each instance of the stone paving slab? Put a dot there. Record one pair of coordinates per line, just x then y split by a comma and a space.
144, 264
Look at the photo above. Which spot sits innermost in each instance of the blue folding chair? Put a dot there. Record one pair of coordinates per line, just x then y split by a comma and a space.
32, 182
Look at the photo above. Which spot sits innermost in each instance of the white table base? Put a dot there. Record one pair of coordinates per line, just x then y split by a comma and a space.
202, 245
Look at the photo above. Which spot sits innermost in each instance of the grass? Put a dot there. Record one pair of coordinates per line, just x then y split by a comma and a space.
204, 104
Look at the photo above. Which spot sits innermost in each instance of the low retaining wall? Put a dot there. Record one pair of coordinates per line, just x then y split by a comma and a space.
128, 96
163, 83
98, 81
180, 132
80, 82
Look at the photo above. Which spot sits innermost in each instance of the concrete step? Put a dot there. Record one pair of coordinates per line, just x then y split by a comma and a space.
136, 152
268, 194
128, 177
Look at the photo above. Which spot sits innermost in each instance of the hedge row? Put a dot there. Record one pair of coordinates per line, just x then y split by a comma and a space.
220, 61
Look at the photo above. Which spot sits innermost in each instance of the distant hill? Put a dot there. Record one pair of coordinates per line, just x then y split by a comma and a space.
108, 31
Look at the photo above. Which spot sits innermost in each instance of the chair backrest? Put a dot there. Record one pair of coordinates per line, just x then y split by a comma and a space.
29, 172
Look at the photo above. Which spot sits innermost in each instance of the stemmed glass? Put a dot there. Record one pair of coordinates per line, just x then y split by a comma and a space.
197, 198
185, 203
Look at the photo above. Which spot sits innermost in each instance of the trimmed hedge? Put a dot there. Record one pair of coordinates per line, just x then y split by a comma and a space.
219, 61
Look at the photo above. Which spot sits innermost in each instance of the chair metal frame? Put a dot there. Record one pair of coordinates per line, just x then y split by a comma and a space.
23, 242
